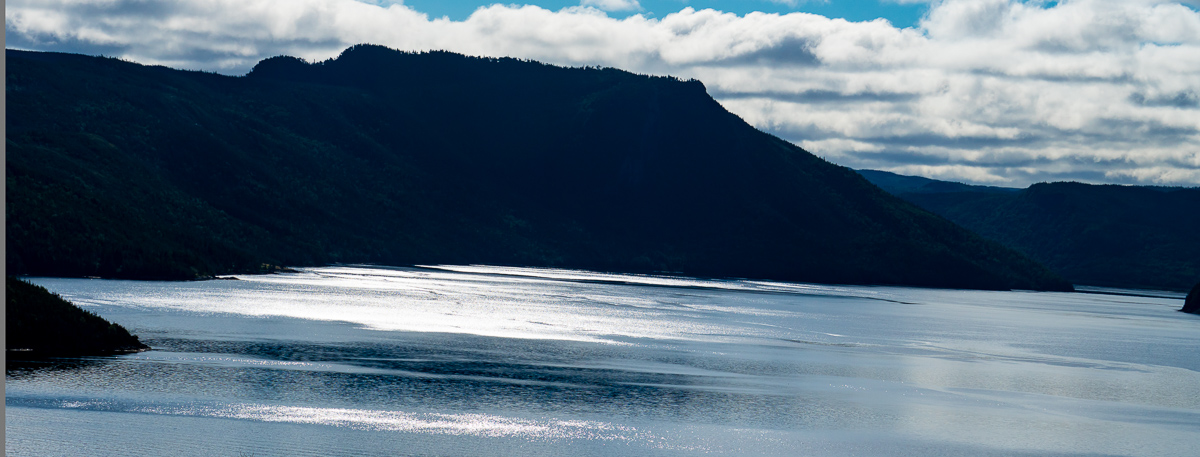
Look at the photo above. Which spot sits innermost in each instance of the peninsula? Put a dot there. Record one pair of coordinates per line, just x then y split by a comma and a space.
39, 323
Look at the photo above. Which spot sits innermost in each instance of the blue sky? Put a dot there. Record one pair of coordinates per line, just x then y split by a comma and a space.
999, 92
901, 15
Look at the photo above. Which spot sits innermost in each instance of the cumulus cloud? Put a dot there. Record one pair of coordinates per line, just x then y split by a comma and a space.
990, 91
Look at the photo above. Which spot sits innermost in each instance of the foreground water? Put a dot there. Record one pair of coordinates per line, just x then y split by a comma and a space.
505, 361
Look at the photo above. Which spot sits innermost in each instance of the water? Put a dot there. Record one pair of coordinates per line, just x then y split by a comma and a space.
506, 361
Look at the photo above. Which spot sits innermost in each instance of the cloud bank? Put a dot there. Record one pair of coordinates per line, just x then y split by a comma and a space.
988, 91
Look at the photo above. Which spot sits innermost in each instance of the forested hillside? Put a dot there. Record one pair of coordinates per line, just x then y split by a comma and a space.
1099, 235
122, 170
39, 323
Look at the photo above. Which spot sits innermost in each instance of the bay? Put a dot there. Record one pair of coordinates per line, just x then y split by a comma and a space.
481, 360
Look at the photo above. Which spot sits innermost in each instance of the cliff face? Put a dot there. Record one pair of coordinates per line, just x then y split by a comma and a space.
122, 170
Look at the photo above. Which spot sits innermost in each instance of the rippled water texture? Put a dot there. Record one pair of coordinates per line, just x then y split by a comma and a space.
507, 361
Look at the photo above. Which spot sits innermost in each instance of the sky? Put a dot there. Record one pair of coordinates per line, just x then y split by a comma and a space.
997, 92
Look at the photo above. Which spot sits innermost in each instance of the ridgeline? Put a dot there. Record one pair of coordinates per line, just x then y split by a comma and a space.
1098, 235
121, 170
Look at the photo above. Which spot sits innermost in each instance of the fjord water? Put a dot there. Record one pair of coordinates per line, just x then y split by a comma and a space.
508, 361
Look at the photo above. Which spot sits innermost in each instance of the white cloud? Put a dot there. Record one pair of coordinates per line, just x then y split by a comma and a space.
613, 5
996, 91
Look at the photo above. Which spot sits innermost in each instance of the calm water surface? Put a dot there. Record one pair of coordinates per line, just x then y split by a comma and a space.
507, 361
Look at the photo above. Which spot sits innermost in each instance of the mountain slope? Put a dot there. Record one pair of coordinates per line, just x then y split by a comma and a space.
1100, 235
117, 169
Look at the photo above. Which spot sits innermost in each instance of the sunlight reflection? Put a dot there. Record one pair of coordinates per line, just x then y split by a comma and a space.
486, 425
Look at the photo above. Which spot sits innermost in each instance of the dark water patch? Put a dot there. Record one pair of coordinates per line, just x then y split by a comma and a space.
452, 377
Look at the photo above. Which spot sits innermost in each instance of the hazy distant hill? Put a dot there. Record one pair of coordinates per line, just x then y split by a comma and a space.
122, 170
901, 184
1100, 235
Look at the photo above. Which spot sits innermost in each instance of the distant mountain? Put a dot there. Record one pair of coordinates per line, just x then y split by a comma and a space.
1099, 235
897, 184
122, 170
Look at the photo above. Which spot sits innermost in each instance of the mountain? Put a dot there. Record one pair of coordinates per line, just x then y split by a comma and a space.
121, 170
896, 184
1099, 235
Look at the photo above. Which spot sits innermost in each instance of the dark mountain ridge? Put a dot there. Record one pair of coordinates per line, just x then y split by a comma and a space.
1141, 237
122, 170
